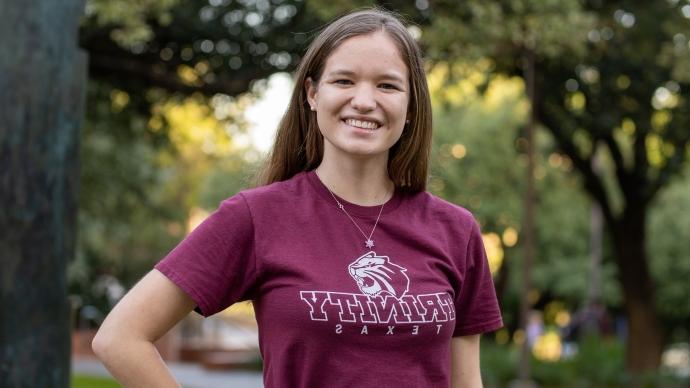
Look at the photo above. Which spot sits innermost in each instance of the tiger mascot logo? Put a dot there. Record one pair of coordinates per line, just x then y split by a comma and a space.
376, 274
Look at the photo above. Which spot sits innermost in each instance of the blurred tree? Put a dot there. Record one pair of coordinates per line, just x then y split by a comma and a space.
611, 73
124, 220
474, 154
478, 163
167, 85
668, 240
207, 46
143, 177
43, 78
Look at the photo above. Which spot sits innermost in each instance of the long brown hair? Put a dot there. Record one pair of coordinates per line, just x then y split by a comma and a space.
299, 144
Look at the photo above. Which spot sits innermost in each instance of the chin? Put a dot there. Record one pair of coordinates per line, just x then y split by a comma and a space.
356, 148
359, 152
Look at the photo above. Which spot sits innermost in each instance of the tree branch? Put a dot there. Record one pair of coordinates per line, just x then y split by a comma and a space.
126, 71
553, 121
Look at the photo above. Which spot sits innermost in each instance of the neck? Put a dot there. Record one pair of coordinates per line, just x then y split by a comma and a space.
364, 183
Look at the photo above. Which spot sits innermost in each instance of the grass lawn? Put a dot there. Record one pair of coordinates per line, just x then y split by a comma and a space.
81, 381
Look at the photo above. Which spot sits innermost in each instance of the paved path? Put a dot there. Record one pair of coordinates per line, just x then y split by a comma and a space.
188, 374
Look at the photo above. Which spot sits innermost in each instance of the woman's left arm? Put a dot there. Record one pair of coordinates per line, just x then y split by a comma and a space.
465, 371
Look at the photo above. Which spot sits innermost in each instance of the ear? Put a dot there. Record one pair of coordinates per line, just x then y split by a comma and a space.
310, 88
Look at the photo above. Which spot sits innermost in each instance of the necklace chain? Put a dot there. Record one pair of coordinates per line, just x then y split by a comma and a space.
368, 242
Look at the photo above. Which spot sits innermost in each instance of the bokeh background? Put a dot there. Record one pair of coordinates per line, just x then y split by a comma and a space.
181, 103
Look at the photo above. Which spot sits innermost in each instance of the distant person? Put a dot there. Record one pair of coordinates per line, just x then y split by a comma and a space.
592, 320
535, 327
358, 276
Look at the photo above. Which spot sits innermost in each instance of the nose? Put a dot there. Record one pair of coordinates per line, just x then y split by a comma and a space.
363, 99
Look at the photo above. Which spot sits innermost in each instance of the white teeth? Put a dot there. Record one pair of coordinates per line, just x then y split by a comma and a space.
362, 124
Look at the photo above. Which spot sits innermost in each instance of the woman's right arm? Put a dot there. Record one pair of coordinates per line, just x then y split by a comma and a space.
124, 343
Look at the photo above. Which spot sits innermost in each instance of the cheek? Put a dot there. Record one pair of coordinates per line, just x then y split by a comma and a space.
331, 96
326, 119
402, 107
400, 113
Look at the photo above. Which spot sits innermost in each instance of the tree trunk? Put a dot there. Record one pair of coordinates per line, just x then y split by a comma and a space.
645, 337
42, 81
524, 372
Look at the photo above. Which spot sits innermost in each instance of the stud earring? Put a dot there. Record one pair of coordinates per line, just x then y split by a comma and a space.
312, 108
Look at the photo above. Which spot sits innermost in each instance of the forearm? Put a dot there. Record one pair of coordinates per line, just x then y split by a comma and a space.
136, 364
125, 340
465, 370
466, 380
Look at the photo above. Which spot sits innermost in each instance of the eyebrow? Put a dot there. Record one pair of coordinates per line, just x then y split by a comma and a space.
348, 73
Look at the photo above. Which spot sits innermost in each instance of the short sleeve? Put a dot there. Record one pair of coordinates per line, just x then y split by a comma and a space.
216, 263
476, 306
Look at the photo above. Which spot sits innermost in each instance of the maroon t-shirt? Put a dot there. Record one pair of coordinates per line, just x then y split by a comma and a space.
332, 312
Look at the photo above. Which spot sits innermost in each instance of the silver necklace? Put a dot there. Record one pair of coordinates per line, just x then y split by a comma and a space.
368, 242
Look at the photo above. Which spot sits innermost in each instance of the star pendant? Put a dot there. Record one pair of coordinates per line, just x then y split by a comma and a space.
369, 243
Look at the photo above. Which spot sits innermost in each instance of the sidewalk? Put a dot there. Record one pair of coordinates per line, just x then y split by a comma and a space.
187, 374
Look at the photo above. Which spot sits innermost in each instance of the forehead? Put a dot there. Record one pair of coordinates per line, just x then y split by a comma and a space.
369, 54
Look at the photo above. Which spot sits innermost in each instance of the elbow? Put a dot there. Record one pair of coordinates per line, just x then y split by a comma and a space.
102, 344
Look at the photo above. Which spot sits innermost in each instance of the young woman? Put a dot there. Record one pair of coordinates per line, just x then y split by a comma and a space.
358, 276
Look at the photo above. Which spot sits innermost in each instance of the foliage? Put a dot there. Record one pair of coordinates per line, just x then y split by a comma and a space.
610, 75
599, 362
408, 10
130, 18
142, 176
669, 223
609, 78
478, 163
121, 220
501, 29
81, 381
217, 46
562, 266
474, 143
485, 175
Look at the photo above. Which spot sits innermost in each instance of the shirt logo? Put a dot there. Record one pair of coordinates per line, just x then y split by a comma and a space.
376, 275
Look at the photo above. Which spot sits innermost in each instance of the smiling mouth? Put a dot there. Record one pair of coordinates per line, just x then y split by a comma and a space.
362, 124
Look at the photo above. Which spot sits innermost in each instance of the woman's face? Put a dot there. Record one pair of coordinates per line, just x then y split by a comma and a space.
362, 97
